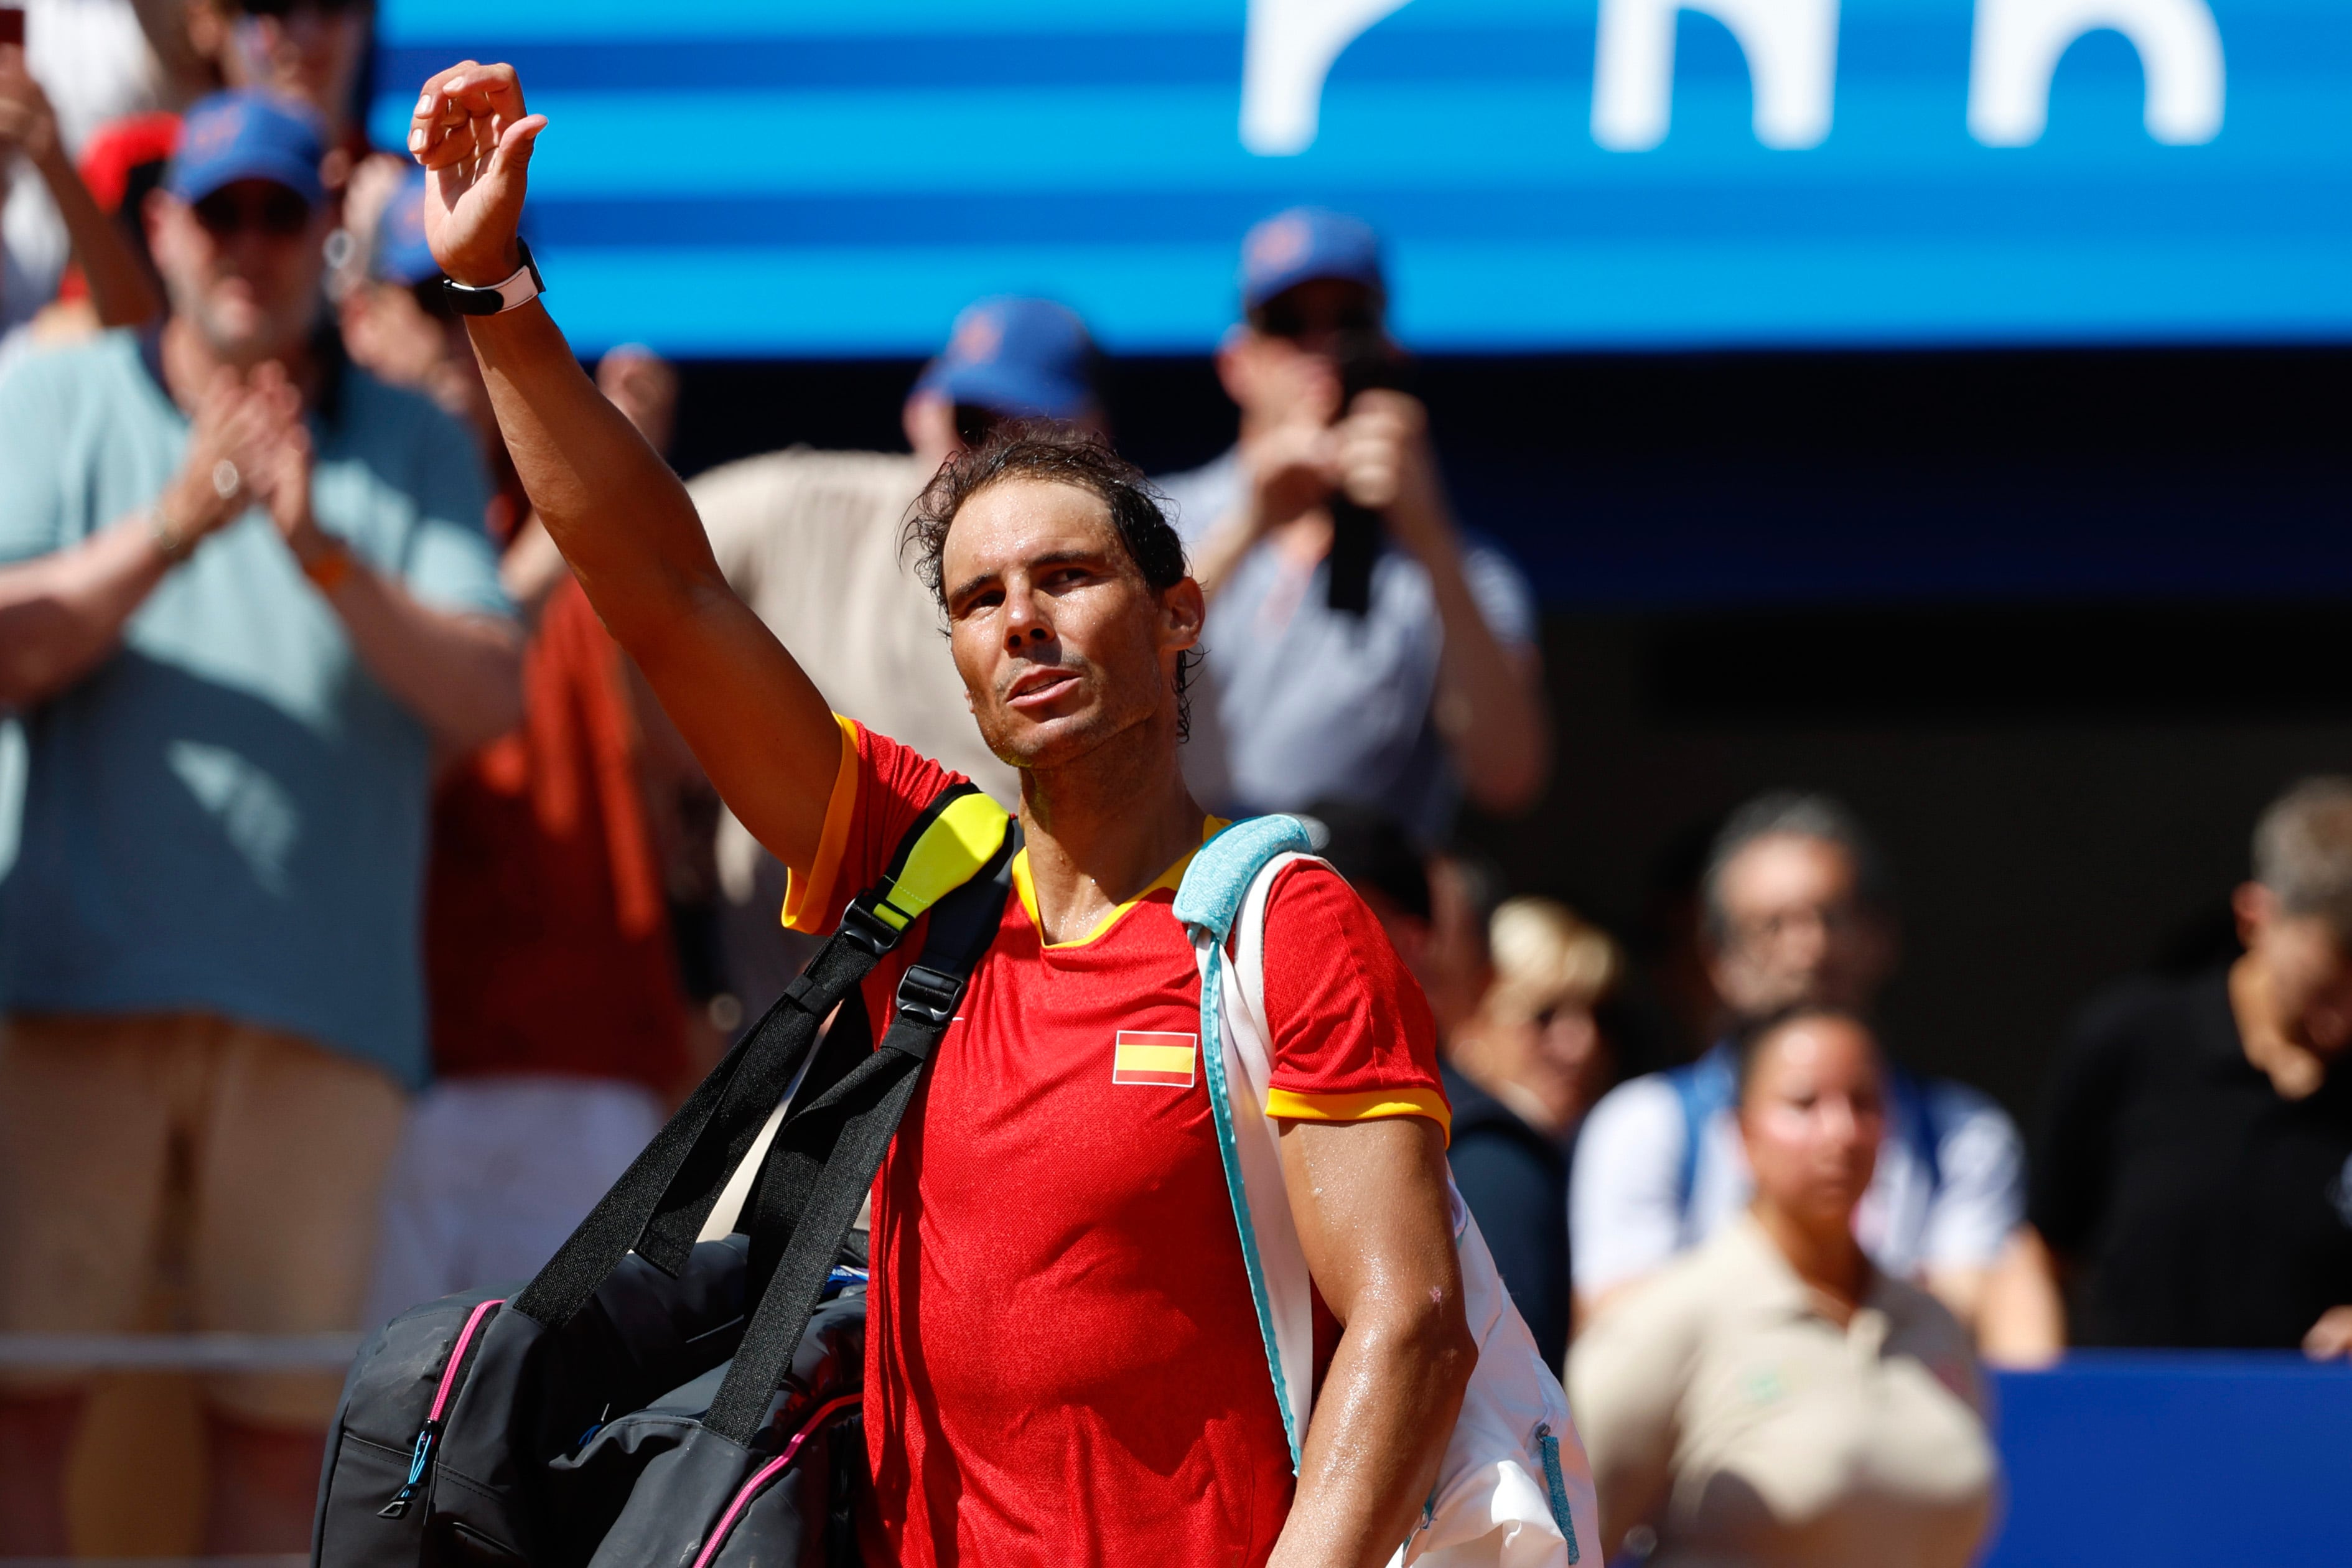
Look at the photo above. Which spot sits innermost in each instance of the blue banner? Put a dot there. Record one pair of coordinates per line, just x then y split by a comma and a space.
838, 177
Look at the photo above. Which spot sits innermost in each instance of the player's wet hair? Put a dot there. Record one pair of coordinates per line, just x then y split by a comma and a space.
1058, 454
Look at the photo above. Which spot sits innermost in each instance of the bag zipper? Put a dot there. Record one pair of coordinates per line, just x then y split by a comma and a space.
420, 1458
1556, 1486
765, 1473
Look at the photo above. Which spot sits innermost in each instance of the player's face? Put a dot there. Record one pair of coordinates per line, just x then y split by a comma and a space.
1061, 643
1813, 1117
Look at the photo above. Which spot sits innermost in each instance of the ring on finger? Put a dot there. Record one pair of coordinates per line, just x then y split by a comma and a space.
225, 478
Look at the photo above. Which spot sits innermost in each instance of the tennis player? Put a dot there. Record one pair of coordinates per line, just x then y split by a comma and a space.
1064, 1361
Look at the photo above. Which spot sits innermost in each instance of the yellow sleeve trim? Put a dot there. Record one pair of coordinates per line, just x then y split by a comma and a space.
1365, 1106
805, 898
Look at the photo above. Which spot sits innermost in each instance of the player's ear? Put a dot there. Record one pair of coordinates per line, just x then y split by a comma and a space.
1182, 608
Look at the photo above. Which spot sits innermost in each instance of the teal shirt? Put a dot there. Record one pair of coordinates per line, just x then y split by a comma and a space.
229, 814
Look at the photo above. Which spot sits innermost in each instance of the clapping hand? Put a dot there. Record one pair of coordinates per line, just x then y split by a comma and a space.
282, 459
471, 131
233, 427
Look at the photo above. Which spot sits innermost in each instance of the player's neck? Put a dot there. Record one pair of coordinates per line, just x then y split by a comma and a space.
1102, 828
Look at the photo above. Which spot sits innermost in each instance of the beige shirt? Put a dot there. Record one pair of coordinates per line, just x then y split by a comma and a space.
1720, 1407
810, 541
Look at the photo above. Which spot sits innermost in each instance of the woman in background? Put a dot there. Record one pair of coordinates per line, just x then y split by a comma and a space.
1520, 1072
1772, 1398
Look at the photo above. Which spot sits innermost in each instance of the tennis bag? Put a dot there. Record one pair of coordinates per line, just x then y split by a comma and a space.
650, 1399
1514, 1489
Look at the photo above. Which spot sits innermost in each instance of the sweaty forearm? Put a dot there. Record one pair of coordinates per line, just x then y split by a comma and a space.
1370, 1203
611, 505
61, 613
763, 733
460, 675
1380, 1430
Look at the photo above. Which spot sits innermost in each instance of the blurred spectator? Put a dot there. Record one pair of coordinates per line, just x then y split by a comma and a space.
306, 49
394, 319
1433, 689
1774, 1397
810, 541
557, 1029
1520, 1074
121, 287
1797, 909
122, 163
2195, 1154
1513, 1175
1535, 1042
98, 62
1464, 890
250, 595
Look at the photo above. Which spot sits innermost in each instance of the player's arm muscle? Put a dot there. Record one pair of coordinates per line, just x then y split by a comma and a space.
1370, 1201
757, 723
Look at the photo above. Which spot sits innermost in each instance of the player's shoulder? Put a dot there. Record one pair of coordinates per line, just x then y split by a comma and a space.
1310, 906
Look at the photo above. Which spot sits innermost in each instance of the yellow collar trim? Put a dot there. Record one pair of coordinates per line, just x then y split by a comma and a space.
1168, 880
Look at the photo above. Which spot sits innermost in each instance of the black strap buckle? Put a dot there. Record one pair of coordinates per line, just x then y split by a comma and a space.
861, 925
927, 996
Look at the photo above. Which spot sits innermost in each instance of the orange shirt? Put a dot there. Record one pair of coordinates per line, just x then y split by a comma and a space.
547, 942
1064, 1363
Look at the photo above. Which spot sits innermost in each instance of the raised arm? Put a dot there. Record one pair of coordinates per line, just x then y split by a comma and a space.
757, 723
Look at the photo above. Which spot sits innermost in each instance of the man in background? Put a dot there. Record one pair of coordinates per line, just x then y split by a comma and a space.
1797, 909
1434, 689
2194, 1164
810, 541
558, 1022
247, 598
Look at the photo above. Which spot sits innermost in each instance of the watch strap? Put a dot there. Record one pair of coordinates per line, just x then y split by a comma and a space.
520, 288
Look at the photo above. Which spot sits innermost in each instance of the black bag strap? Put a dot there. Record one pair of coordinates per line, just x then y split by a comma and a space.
662, 1201
826, 1154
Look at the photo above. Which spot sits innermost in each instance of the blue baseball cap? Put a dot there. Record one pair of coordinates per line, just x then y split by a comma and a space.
248, 135
1304, 244
400, 253
1027, 358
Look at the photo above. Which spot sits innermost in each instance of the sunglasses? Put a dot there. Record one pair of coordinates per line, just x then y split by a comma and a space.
1285, 318
274, 211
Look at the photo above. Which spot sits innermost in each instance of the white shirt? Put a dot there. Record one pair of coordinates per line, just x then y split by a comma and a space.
1627, 1214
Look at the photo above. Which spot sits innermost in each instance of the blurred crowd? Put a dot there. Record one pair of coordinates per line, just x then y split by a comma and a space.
366, 916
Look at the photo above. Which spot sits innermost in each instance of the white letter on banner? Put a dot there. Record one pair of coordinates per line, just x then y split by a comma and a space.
1792, 49
1288, 51
2017, 47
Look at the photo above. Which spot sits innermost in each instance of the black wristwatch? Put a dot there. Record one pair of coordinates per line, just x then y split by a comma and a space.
520, 289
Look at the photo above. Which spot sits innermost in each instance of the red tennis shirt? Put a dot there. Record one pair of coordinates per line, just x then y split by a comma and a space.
1062, 1364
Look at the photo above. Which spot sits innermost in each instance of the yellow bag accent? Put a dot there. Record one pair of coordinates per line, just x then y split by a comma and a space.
951, 852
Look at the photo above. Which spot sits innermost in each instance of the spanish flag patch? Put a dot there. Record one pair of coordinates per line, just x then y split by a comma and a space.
1145, 1056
